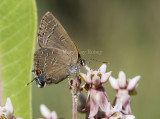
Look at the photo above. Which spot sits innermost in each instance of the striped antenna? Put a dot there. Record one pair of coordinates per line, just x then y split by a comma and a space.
99, 61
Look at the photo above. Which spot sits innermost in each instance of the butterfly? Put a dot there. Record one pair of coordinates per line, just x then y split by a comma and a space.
58, 56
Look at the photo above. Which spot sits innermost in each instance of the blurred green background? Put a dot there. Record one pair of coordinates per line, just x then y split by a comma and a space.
126, 33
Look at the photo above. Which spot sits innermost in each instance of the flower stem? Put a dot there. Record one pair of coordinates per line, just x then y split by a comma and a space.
75, 100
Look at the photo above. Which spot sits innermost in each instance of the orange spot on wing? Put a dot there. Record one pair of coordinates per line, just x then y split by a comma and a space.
38, 72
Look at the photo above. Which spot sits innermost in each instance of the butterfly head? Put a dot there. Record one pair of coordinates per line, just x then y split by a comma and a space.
82, 62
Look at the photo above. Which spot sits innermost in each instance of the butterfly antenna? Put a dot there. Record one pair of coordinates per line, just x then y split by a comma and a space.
30, 82
100, 61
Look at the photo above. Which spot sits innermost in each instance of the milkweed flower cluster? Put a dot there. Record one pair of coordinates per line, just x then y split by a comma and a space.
97, 104
7, 111
97, 97
124, 87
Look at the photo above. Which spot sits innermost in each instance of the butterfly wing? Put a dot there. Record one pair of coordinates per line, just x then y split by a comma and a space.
52, 63
52, 35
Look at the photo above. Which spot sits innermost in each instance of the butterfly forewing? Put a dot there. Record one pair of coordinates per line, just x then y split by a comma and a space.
52, 35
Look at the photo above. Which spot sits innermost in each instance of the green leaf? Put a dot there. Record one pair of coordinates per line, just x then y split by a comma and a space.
18, 21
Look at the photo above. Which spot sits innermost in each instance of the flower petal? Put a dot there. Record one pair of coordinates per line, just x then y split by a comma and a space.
127, 109
54, 115
93, 103
45, 111
122, 79
129, 117
105, 77
86, 78
104, 102
109, 110
103, 68
118, 107
114, 83
133, 82
93, 109
9, 106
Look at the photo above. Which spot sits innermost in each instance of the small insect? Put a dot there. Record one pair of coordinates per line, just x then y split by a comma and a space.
58, 56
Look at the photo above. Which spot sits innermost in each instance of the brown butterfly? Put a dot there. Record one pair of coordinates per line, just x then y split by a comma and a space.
58, 56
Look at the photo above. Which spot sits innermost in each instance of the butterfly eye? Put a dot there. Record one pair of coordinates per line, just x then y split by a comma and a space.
82, 62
